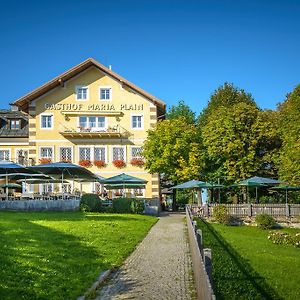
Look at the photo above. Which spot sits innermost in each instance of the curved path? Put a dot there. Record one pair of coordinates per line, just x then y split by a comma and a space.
160, 267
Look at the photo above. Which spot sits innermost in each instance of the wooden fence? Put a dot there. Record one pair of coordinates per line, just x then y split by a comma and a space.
250, 210
201, 260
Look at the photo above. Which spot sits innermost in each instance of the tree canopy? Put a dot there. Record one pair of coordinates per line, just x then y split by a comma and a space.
289, 121
181, 110
172, 149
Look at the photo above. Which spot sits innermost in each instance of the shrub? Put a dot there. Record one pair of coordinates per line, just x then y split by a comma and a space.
265, 221
128, 205
220, 214
91, 202
285, 238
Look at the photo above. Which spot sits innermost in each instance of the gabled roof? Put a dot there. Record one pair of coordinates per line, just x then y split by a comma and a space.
24, 101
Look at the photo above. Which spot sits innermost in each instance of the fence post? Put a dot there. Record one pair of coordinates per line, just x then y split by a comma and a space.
200, 240
250, 210
288, 210
208, 263
195, 225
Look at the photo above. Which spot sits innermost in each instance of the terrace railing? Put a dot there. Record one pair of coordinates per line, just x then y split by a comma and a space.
250, 210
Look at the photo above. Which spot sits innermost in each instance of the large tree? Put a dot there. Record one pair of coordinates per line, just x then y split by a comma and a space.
289, 161
240, 141
172, 149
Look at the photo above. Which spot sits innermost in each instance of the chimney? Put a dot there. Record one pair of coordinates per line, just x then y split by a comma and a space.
109, 66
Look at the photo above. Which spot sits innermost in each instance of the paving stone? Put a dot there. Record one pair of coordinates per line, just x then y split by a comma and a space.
159, 268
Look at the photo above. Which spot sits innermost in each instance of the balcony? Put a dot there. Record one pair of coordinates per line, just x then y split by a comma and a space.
90, 132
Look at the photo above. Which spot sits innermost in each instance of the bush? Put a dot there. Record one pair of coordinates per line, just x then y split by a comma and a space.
265, 221
90, 202
284, 238
128, 205
220, 214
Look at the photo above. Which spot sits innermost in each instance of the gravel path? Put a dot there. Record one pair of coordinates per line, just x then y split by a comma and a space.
160, 267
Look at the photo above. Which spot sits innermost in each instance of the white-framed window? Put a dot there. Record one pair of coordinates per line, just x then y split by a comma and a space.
5, 154
136, 152
22, 156
46, 152
66, 188
82, 93
65, 154
98, 188
137, 121
105, 93
85, 153
46, 188
47, 121
138, 192
92, 123
118, 153
100, 153
15, 124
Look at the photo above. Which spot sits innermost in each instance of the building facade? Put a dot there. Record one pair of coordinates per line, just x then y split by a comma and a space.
90, 116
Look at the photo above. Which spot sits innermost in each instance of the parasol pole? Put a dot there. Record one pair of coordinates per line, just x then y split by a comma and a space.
62, 181
6, 189
286, 196
256, 194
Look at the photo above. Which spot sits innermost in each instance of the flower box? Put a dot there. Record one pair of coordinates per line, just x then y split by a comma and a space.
99, 163
118, 163
138, 162
45, 160
85, 163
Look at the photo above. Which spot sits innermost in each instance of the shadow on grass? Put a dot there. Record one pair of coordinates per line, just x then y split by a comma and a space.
37, 262
71, 216
233, 276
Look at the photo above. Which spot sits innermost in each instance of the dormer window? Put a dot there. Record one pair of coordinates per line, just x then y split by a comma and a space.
15, 124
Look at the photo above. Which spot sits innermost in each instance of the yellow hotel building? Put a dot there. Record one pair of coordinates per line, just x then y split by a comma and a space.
88, 115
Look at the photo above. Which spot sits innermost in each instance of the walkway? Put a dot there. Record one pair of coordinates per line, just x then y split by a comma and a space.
160, 267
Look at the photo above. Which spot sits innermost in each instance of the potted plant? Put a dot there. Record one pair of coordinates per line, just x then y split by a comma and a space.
99, 163
119, 163
45, 160
138, 162
85, 163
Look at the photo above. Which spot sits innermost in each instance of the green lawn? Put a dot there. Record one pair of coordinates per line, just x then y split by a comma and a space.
246, 265
59, 255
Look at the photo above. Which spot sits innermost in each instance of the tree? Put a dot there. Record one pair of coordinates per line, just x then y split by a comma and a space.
172, 148
289, 159
181, 110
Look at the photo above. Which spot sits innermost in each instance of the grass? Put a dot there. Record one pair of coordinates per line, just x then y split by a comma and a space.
246, 265
59, 255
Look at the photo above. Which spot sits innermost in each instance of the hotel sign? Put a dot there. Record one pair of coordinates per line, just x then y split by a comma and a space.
93, 107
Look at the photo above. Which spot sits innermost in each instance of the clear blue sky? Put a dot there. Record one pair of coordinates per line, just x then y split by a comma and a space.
172, 49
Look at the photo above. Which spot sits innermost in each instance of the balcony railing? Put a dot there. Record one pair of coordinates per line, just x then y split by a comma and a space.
92, 132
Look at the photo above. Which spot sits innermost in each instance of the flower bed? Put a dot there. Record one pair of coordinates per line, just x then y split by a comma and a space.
118, 163
138, 162
99, 163
284, 238
45, 160
85, 163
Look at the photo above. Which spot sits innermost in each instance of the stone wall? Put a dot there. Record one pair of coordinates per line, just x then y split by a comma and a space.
40, 205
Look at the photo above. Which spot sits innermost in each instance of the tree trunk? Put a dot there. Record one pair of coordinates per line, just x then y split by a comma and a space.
174, 203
